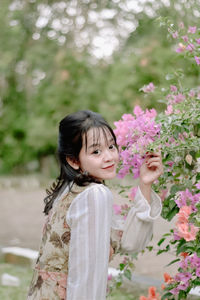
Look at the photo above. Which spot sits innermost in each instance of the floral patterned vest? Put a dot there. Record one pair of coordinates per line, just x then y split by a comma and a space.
50, 275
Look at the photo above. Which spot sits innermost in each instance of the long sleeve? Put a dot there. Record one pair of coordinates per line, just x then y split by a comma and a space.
89, 218
137, 229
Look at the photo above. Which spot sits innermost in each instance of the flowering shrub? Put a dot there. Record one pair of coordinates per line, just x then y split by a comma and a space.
176, 132
134, 133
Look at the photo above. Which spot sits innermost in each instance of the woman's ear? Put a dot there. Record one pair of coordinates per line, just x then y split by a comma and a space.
73, 163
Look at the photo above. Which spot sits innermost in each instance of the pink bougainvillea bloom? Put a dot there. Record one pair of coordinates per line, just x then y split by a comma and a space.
179, 98
133, 193
198, 41
198, 185
169, 110
148, 88
174, 291
110, 277
138, 111
117, 209
173, 88
184, 214
192, 29
187, 231
191, 93
185, 38
180, 48
175, 34
163, 194
170, 163
190, 47
197, 60
152, 113
181, 25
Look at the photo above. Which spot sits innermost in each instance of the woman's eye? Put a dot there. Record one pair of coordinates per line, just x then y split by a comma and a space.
97, 151
112, 147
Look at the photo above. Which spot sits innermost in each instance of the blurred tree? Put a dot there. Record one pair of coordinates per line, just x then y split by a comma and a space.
61, 56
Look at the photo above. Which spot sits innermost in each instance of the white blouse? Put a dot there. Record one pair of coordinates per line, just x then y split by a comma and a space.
91, 218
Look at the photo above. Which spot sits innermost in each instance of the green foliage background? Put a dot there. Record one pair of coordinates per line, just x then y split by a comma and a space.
42, 80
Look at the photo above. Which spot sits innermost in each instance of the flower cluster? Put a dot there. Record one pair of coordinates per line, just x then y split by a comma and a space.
185, 198
189, 267
121, 210
134, 133
175, 97
149, 88
184, 228
189, 40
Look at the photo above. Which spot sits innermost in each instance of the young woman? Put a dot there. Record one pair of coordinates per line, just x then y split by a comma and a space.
80, 227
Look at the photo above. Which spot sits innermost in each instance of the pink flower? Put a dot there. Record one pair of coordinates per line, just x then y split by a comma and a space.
190, 47
198, 41
187, 231
137, 111
192, 29
181, 25
163, 194
170, 163
175, 34
148, 88
180, 48
133, 193
173, 88
184, 213
152, 113
169, 110
110, 277
179, 98
192, 93
185, 38
197, 60
117, 209
198, 185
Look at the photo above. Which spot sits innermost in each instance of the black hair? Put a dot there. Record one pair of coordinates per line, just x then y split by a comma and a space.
72, 129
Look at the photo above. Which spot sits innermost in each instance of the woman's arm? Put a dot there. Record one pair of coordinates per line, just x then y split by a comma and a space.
136, 231
89, 218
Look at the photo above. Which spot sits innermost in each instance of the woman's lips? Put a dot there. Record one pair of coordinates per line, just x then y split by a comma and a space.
109, 167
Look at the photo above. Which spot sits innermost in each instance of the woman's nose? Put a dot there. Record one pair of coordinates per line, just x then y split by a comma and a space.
107, 155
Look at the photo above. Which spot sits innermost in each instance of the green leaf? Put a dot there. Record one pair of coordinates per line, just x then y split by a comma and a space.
161, 241
150, 248
173, 261
121, 266
182, 295
196, 281
127, 274
165, 296
172, 213
118, 284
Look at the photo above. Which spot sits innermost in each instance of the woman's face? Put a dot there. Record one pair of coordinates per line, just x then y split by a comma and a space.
99, 156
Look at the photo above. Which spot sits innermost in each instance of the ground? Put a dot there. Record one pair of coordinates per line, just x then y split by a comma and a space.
21, 220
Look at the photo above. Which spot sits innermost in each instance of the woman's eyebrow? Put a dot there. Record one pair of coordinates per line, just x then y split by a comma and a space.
94, 145
98, 144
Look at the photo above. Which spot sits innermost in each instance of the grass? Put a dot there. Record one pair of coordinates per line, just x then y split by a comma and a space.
12, 292
25, 274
